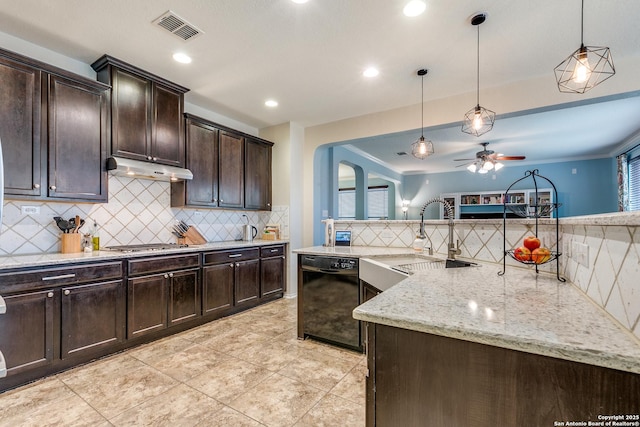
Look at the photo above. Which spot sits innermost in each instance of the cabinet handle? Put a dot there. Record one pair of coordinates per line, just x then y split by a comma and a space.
274, 250
237, 264
231, 265
62, 276
36, 186
221, 201
53, 188
170, 274
268, 204
235, 255
282, 257
215, 200
148, 157
67, 291
3, 305
50, 295
166, 276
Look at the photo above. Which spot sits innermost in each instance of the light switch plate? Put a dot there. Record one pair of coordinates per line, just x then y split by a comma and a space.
580, 253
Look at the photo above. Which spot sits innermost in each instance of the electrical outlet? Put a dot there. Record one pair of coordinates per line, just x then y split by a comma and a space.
30, 210
386, 234
197, 213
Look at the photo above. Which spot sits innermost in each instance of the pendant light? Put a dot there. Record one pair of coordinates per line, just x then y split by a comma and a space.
585, 68
422, 148
478, 120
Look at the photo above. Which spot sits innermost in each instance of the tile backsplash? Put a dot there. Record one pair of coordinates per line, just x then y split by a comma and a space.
138, 212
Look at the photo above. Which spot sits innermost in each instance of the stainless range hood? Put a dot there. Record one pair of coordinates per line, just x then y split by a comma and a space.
137, 169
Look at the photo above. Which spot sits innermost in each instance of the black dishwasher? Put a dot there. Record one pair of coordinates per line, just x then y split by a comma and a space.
330, 292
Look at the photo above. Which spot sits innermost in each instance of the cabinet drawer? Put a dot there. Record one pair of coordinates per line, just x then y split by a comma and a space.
162, 263
269, 251
69, 275
220, 257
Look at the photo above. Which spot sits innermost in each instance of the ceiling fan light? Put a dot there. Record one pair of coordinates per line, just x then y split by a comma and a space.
498, 166
482, 170
487, 165
472, 168
421, 149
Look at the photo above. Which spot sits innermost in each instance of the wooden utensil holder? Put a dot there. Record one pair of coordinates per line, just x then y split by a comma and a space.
192, 237
71, 243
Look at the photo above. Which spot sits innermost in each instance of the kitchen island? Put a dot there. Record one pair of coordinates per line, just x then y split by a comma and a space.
468, 347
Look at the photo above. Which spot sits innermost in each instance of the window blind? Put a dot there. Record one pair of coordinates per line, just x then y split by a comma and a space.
634, 184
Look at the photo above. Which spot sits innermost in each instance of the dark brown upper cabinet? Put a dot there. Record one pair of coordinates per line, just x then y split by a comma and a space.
257, 175
54, 130
146, 113
230, 169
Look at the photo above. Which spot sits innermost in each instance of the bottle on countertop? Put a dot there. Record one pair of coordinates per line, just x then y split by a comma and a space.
95, 237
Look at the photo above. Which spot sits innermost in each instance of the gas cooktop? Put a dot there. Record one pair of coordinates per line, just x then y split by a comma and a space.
145, 247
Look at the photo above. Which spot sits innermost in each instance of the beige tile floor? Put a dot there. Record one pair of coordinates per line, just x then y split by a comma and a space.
244, 370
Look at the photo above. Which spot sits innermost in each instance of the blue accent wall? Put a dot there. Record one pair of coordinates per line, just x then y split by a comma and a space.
591, 190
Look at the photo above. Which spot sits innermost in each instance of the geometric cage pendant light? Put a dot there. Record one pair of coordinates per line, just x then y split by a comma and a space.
478, 120
585, 68
422, 148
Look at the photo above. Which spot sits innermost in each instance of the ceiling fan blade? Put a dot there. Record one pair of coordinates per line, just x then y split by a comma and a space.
463, 160
464, 164
510, 158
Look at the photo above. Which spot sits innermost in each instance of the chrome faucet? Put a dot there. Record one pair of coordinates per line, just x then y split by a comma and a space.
452, 250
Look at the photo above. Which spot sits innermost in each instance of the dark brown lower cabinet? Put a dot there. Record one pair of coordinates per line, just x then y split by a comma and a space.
217, 288
162, 300
272, 275
27, 331
93, 317
246, 282
419, 379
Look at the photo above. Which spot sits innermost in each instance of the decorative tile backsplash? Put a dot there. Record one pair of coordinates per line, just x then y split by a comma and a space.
609, 278
138, 212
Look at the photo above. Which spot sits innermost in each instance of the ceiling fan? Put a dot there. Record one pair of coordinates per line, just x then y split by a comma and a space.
486, 160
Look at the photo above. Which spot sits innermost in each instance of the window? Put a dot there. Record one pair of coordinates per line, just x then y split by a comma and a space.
634, 184
377, 203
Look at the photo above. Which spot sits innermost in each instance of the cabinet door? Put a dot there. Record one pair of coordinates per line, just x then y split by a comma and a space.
257, 193
271, 275
231, 170
217, 289
146, 305
202, 160
27, 331
20, 106
92, 317
184, 296
167, 143
77, 140
247, 282
131, 115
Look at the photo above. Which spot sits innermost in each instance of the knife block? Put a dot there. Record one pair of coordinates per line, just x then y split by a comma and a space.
71, 243
192, 237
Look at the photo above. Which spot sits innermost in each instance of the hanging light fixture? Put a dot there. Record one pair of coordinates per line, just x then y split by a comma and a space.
478, 120
585, 68
422, 148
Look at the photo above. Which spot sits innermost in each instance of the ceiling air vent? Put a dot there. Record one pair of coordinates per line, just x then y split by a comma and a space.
401, 153
177, 26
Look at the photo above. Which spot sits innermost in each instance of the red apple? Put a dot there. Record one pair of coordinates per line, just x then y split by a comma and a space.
540, 255
531, 242
522, 254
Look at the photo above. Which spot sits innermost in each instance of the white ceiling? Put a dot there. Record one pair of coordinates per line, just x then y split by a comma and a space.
310, 58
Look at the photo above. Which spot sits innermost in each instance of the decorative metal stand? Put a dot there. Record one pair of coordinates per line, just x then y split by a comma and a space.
534, 210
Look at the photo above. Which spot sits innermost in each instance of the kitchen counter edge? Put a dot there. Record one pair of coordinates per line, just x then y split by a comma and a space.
46, 259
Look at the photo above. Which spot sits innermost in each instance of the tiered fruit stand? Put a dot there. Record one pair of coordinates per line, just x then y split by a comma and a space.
532, 210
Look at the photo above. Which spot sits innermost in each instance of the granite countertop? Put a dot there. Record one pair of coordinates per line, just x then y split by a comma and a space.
521, 310
353, 251
24, 261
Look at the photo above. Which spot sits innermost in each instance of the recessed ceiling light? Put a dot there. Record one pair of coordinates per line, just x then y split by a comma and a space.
182, 58
370, 72
271, 103
414, 8
300, 1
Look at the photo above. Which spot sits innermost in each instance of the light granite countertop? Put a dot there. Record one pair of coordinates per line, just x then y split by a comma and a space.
521, 310
353, 251
24, 261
